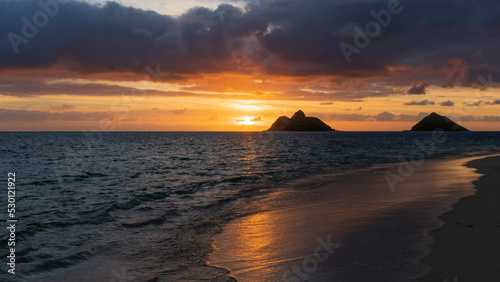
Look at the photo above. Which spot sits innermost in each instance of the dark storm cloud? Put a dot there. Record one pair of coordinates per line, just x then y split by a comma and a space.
29, 87
112, 38
447, 104
457, 38
423, 33
35, 88
418, 88
420, 103
83, 37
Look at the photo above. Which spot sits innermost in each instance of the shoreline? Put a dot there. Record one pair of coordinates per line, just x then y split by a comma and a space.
466, 246
383, 235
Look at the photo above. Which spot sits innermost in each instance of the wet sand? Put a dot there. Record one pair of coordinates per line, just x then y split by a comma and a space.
467, 246
374, 234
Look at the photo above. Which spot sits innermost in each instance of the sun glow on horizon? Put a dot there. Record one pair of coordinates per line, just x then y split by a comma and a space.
249, 120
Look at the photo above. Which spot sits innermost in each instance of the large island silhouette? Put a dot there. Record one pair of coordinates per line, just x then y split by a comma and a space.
299, 122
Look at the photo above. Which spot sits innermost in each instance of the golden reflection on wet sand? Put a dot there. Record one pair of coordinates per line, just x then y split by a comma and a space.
263, 245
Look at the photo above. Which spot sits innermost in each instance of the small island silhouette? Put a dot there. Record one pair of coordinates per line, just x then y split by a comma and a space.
299, 122
437, 122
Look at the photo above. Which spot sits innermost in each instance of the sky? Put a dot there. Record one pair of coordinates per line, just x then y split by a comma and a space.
237, 65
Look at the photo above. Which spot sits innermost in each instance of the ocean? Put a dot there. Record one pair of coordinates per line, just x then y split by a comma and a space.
140, 206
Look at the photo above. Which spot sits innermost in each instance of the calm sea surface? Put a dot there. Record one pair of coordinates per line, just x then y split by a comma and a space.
131, 206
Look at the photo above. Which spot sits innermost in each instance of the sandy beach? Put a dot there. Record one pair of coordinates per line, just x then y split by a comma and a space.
374, 234
466, 247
